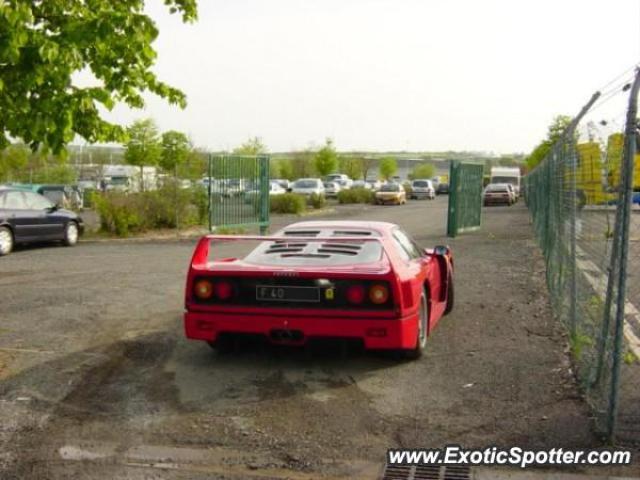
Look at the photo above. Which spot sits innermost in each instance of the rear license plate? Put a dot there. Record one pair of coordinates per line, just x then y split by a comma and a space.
287, 294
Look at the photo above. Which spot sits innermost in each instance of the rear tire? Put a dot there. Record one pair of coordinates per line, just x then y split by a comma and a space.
223, 344
6, 241
423, 328
71, 234
450, 295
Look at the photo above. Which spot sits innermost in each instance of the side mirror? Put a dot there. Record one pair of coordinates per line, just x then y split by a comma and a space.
441, 250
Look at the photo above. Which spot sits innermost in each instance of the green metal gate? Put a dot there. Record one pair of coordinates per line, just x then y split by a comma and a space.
465, 197
238, 191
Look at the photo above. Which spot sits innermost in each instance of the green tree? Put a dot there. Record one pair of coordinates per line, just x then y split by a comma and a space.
253, 146
285, 169
366, 164
143, 148
175, 150
424, 170
45, 43
559, 124
57, 170
281, 168
302, 164
13, 163
351, 166
388, 167
195, 165
326, 159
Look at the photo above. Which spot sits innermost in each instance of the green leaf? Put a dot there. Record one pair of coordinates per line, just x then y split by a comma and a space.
45, 43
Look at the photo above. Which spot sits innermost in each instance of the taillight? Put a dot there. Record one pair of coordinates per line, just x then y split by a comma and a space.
208, 289
378, 294
203, 289
223, 290
355, 294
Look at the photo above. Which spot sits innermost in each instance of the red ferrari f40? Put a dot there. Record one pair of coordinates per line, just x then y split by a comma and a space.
366, 281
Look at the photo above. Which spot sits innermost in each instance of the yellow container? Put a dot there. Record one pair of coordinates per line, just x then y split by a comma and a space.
615, 148
589, 174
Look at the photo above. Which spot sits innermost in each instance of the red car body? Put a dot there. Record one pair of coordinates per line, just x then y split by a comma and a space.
352, 280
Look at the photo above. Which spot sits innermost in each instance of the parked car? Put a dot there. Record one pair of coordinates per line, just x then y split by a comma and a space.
331, 189
361, 184
422, 188
308, 186
498, 194
234, 186
374, 184
67, 196
27, 217
274, 189
283, 182
341, 179
391, 193
442, 188
347, 279
513, 192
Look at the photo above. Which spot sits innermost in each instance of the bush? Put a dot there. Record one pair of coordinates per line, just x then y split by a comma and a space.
407, 187
116, 216
317, 201
356, 195
288, 203
122, 213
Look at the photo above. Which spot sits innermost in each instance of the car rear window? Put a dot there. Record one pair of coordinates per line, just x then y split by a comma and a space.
420, 183
390, 188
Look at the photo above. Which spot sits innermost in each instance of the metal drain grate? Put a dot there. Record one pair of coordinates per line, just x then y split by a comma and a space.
426, 472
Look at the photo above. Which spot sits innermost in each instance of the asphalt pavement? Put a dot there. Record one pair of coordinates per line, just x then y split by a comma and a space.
97, 380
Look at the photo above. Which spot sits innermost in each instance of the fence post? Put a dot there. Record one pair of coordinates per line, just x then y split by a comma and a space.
454, 196
631, 130
574, 214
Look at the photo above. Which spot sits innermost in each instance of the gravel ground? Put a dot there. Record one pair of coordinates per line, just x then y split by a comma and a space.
97, 380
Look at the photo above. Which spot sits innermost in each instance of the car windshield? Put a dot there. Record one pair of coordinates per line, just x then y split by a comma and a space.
420, 183
317, 253
390, 187
329, 185
119, 180
511, 180
497, 188
306, 184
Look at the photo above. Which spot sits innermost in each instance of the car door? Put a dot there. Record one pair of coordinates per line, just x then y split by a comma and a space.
412, 261
425, 268
49, 220
24, 222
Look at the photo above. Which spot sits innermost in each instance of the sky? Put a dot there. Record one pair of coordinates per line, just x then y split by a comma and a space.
386, 75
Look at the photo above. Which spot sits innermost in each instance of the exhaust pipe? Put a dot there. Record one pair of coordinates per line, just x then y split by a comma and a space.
286, 335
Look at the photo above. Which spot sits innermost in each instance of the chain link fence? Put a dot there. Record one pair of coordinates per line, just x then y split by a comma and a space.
465, 198
580, 200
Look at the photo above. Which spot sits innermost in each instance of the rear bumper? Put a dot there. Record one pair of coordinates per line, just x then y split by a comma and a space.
375, 333
497, 201
415, 194
394, 201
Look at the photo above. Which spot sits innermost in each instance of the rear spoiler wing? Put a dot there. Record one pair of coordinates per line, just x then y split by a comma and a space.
201, 253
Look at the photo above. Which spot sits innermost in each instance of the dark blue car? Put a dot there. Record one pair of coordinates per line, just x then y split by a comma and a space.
27, 217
